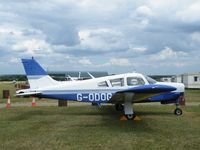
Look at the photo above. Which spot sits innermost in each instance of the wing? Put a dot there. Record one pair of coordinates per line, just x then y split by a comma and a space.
139, 93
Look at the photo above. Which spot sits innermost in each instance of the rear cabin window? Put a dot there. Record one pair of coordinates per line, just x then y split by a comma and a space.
117, 82
133, 81
103, 84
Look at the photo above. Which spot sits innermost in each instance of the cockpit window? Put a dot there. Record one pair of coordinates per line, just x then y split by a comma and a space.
117, 82
133, 81
103, 84
150, 80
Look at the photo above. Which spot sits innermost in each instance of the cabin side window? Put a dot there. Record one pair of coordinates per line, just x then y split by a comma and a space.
117, 82
133, 81
103, 84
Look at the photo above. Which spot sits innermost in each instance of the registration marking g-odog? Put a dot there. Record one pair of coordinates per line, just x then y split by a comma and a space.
94, 96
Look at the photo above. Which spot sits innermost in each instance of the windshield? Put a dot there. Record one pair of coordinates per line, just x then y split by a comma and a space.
150, 80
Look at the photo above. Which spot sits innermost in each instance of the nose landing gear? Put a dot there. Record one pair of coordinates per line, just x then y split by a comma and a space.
178, 111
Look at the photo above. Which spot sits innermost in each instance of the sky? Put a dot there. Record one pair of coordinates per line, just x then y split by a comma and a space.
118, 36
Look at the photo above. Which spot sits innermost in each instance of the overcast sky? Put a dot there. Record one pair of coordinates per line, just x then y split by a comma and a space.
147, 36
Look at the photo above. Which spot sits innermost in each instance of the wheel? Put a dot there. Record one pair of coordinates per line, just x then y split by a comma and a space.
130, 116
178, 111
119, 107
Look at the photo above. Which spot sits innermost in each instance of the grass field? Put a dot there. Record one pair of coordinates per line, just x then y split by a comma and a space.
88, 128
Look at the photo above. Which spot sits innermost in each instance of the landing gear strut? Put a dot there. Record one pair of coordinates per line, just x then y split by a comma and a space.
128, 110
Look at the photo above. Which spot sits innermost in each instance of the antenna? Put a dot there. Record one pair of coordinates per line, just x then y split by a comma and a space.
79, 75
70, 78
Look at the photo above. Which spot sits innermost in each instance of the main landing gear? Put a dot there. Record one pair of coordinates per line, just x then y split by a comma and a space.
128, 110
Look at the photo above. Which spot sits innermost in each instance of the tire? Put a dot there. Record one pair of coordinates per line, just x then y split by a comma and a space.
178, 111
119, 107
130, 116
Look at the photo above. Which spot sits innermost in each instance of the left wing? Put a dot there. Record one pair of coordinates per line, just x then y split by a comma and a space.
140, 93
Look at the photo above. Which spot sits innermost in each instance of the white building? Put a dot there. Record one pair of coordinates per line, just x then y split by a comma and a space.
167, 79
190, 80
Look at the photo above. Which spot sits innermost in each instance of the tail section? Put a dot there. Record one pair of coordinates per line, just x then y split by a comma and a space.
37, 76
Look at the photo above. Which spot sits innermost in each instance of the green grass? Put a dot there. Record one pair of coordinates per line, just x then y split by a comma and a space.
87, 127
192, 95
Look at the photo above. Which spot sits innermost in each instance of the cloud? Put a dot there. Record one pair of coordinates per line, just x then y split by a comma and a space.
190, 13
137, 50
195, 36
144, 11
32, 47
103, 39
85, 62
167, 53
104, 35
120, 62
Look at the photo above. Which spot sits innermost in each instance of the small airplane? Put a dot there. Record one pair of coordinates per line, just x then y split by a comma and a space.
121, 90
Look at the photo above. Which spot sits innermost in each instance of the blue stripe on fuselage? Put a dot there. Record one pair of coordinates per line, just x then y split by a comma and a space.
101, 96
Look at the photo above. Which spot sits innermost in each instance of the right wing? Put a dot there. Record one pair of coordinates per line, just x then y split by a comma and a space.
140, 93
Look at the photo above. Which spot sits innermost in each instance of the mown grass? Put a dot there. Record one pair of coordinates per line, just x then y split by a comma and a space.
192, 95
87, 127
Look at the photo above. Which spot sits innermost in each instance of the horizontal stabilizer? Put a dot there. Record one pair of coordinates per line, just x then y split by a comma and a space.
28, 94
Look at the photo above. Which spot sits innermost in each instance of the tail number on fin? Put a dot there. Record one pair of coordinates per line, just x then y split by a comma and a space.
91, 97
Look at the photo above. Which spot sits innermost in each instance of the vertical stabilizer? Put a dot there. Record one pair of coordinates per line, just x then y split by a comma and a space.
37, 76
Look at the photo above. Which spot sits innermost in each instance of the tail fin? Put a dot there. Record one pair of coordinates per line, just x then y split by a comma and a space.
37, 76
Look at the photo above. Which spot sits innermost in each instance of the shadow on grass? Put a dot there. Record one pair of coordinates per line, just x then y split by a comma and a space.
106, 117
26, 113
156, 113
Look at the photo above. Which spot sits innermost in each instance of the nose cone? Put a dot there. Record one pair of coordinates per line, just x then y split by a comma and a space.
164, 88
171, 88
179, 87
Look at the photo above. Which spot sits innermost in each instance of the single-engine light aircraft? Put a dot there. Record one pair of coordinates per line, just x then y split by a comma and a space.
121, 90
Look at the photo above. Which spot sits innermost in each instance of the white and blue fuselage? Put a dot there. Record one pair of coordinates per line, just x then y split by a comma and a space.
124, 88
